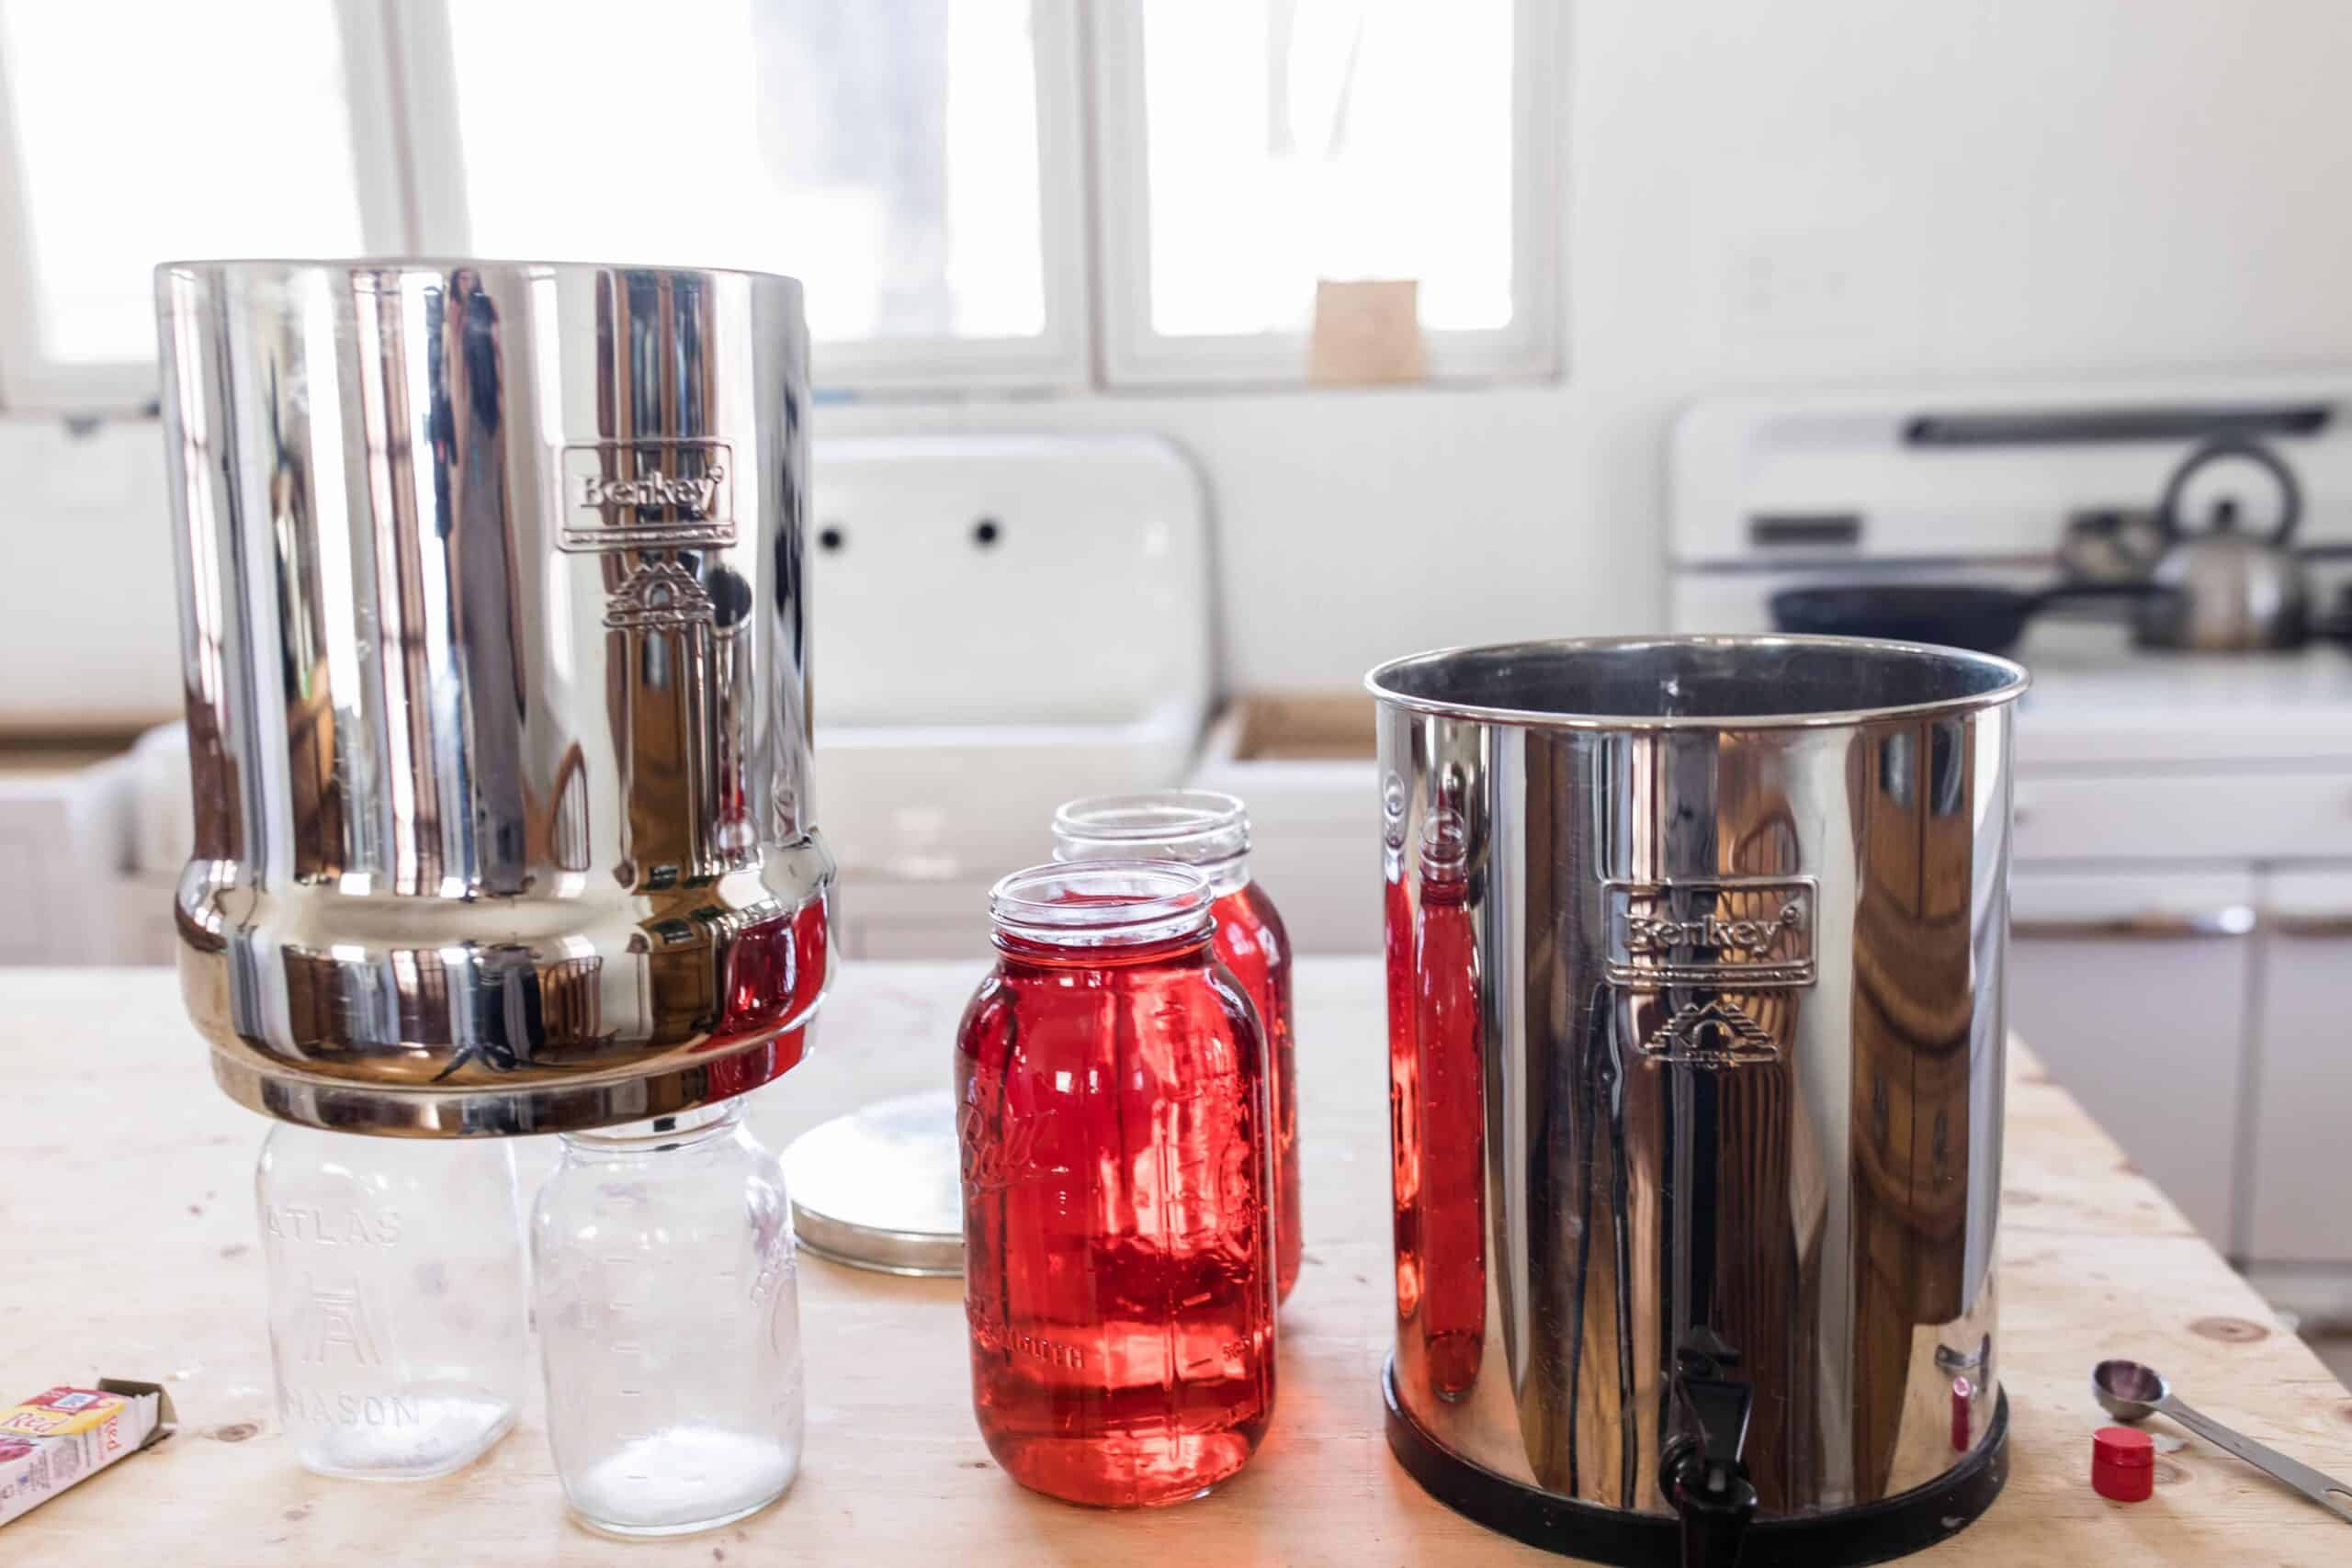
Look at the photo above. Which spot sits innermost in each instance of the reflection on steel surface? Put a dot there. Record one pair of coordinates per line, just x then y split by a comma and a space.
1404, 1064
1451, 1219
1739, 980
495, 653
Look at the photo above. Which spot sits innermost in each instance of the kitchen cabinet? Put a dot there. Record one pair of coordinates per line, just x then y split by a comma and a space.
2136, 986
64, 829
2297, 1214
2205, 1018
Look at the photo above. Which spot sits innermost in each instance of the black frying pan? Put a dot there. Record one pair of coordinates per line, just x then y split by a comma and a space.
1987, 620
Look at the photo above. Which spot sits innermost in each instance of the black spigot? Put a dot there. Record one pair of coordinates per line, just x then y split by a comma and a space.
1700, 1470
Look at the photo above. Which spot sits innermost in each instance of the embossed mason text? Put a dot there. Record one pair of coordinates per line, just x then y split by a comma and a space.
348, 1227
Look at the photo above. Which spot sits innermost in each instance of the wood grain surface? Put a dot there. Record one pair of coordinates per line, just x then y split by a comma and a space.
126, 1248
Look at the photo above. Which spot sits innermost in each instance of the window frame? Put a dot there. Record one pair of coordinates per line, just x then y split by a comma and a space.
1136, 356
29, 379
1094, 227
1056, 359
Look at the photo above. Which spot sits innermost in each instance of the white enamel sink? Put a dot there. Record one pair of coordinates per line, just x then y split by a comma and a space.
1001, 622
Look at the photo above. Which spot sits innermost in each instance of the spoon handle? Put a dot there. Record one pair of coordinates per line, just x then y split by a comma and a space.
2333, 1495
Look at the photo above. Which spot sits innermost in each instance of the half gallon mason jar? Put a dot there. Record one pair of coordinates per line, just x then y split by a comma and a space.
1210, 831
397, 1299
1118, 1259
668, 1323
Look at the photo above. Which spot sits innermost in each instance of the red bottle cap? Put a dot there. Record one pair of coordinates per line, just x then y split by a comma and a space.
2124, 1463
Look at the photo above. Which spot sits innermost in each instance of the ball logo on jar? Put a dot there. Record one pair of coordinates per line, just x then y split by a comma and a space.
998, 1147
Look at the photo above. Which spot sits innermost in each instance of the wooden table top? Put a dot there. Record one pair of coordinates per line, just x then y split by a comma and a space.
127, 1249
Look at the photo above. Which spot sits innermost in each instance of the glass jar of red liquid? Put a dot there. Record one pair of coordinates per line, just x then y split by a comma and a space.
1210, 832
1118, 1258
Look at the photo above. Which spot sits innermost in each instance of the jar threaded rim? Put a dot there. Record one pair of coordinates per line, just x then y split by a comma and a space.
1100, 903
1196, 827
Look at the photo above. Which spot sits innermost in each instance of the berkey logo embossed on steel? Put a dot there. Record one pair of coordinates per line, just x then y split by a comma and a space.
665, 492
1738, 933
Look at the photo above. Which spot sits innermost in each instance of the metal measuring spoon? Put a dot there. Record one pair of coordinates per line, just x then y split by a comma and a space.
2129, 1392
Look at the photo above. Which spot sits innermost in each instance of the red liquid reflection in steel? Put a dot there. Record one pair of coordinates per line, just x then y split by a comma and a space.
1252, 942
776, 972
755, 1065
1452, 1218
1404, 1098
1118, 1269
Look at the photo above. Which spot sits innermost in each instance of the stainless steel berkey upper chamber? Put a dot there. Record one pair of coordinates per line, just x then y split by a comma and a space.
495, 645
1695, 973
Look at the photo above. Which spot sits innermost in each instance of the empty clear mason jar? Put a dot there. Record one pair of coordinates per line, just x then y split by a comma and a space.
668, 1323
396, 1297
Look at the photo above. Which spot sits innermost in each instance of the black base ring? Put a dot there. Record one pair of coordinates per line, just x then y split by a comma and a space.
1846, 1538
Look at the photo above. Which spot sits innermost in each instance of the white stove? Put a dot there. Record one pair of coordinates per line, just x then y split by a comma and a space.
2096, 700
2182, 891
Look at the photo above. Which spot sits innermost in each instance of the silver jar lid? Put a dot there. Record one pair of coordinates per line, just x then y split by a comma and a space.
879, 1188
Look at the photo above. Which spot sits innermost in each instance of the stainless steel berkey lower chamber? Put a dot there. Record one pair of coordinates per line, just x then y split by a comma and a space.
1696, 955
495, 646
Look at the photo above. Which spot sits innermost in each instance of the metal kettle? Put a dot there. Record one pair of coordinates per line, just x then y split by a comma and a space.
2227, 589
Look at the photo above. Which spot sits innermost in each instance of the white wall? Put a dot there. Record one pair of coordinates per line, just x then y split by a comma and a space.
1807, 191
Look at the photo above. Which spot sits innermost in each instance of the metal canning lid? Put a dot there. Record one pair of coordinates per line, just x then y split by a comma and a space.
880, 1188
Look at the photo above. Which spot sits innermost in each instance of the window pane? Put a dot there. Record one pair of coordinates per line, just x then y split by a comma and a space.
1296, 139
149, 132
884, 154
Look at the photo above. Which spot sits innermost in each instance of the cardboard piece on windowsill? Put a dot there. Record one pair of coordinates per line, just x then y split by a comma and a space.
1367, 333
